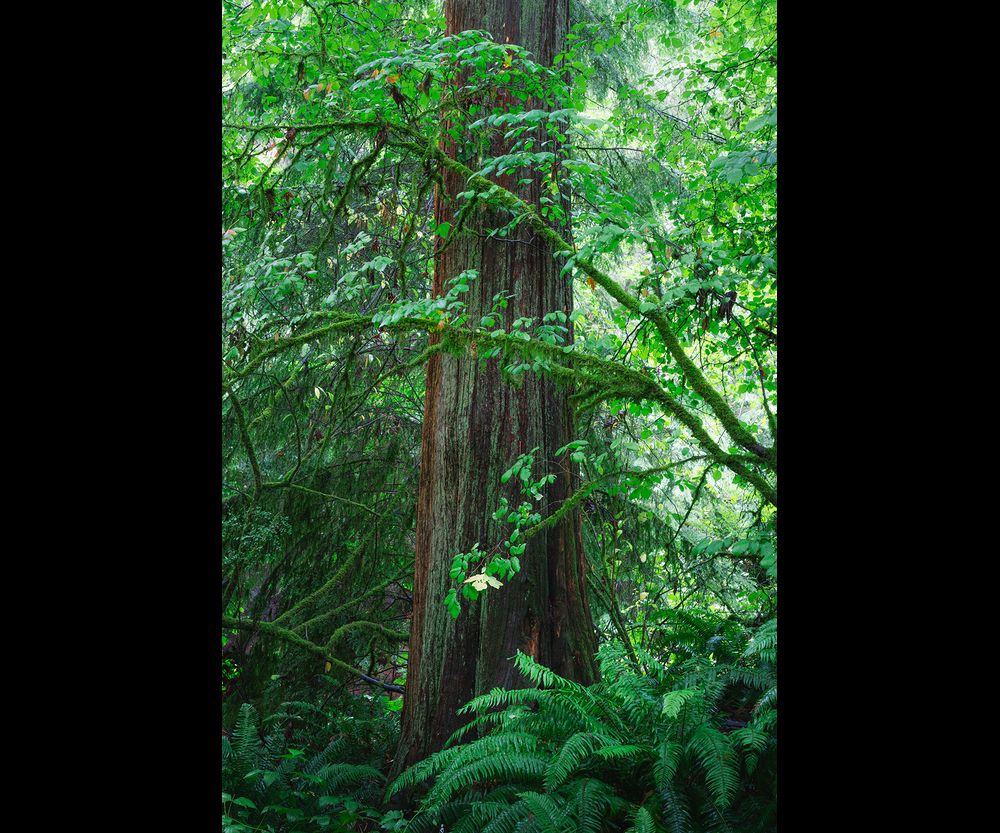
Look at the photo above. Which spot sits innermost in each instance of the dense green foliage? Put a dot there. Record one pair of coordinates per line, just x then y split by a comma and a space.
270, 783
658, 132
647, 747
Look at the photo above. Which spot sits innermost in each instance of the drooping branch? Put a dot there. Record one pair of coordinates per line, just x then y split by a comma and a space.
363, 624
322, 617
311, 647
492, 192
607, 379
284, 484
408, 137
245, 437
318, 593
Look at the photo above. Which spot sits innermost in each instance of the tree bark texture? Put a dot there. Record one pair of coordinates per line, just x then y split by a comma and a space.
475, 426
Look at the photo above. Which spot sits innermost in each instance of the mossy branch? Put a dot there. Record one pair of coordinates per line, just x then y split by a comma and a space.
328, 585
605, 379
317, 620
245, 437
498, 195
293, 638
284, 484
374, 627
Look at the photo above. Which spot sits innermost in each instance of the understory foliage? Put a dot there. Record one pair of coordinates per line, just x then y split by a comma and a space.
682, 746
657, 142
324, 775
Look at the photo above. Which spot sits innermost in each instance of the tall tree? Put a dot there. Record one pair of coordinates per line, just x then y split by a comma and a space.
476, 424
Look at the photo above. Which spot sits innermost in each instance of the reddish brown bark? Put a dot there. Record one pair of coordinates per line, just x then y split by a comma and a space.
475, 426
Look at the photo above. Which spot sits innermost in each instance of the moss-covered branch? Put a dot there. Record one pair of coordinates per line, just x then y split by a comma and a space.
602, 378
492, 192
283, 484
362, 624
313, 597
293, 638
329, 614
407, 137
245, 437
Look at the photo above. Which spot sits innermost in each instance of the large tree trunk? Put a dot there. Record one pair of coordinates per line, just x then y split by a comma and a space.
475, 426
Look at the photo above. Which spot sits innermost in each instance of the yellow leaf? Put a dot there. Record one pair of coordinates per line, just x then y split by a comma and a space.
592, 283
392, 79
715, 33
328, 665
376, 73
482, 581
306, 94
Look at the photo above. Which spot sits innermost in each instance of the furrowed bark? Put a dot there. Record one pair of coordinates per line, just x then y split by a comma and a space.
475, 426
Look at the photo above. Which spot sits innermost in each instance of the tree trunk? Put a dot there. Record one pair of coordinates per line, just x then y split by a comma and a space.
475, 426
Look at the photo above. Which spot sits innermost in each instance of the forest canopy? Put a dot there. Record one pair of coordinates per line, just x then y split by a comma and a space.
499, 411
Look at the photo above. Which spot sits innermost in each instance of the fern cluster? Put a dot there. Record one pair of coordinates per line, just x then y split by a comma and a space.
672, 745
268, 786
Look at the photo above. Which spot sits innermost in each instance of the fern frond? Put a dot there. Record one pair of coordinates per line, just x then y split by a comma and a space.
335, 776
499, 698
246, 741
764, 644
547, 813
675, 700
497, 743
716, 756
643, 822
751, 738
542, 676
767, 700
653, 666
507, 821
621, 751
420, 771
588, 804
480, 815
587, 709
676, 813
572, 753
501, 766
665, 767
327, 755
764, 717
716, 820
759, 678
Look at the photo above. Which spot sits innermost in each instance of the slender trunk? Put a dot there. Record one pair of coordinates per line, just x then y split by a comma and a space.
475, 425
